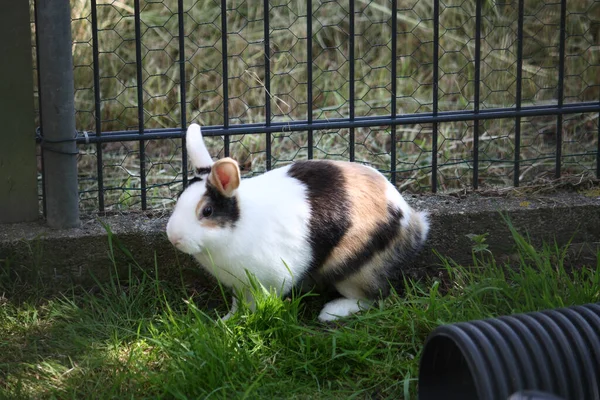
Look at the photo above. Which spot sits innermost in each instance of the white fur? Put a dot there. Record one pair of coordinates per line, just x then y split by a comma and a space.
408, 212
232, 310
270, 238
272, 206
423, 216
196, 148
396, 198
342, 307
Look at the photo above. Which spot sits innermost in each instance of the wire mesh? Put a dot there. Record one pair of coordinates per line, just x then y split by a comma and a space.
436, 95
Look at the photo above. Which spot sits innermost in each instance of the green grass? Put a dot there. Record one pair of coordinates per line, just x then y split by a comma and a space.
330, 66
146, 338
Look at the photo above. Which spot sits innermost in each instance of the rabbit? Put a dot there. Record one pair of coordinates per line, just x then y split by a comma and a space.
338, 224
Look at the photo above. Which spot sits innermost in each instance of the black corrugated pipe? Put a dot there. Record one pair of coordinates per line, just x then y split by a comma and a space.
553, 354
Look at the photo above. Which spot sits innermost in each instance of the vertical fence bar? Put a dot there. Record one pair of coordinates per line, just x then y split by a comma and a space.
309, 83
97, 109
476, 94
519, 94
394, 22
561, 78
352, 76
182, 90
267, 81
39, 82
140, 100
436, 52
55, 67
226, 139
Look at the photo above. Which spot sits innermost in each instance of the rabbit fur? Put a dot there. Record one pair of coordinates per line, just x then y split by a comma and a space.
332, 223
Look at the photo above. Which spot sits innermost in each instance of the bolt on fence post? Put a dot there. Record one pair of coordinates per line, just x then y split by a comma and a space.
57, 102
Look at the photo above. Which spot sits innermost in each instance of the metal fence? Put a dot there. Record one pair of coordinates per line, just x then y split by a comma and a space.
437, 95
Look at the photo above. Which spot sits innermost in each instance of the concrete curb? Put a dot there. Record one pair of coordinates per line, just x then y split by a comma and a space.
71, 256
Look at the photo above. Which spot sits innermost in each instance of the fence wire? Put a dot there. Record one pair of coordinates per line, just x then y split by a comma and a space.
436, 95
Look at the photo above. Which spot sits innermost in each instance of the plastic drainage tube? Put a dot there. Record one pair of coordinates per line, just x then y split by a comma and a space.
553, 354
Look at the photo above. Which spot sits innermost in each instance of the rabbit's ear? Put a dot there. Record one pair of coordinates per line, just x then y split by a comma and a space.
225, 176
197, 151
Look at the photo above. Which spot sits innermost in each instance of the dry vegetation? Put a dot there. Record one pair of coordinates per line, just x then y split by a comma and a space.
288, 45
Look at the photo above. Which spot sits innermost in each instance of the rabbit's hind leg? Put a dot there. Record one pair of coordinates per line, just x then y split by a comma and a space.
354, 300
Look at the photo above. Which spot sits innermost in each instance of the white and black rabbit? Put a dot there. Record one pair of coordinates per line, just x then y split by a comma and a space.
335, 223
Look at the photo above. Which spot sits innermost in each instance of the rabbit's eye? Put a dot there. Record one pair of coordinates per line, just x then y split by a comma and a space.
207, 211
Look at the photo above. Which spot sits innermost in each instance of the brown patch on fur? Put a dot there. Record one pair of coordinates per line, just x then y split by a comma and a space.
366, 190
200, 205
205, 222
210, 223
384, 267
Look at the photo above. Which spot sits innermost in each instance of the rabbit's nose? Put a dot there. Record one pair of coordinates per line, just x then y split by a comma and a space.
175, 240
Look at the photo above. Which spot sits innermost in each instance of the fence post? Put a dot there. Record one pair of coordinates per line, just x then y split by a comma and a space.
18, 165
58, 112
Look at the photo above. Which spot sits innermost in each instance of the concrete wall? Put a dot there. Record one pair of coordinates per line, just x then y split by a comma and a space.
68, 256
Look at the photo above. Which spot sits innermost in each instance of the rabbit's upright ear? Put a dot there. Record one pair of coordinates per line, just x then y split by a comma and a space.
225, 176
197, 151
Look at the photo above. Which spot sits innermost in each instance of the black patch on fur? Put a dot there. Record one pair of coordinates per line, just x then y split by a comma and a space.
203, 171
396, 263
226, 211
380, 239
407, 249
198, 177
194, 180
403, 253
190, 182
329, 204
